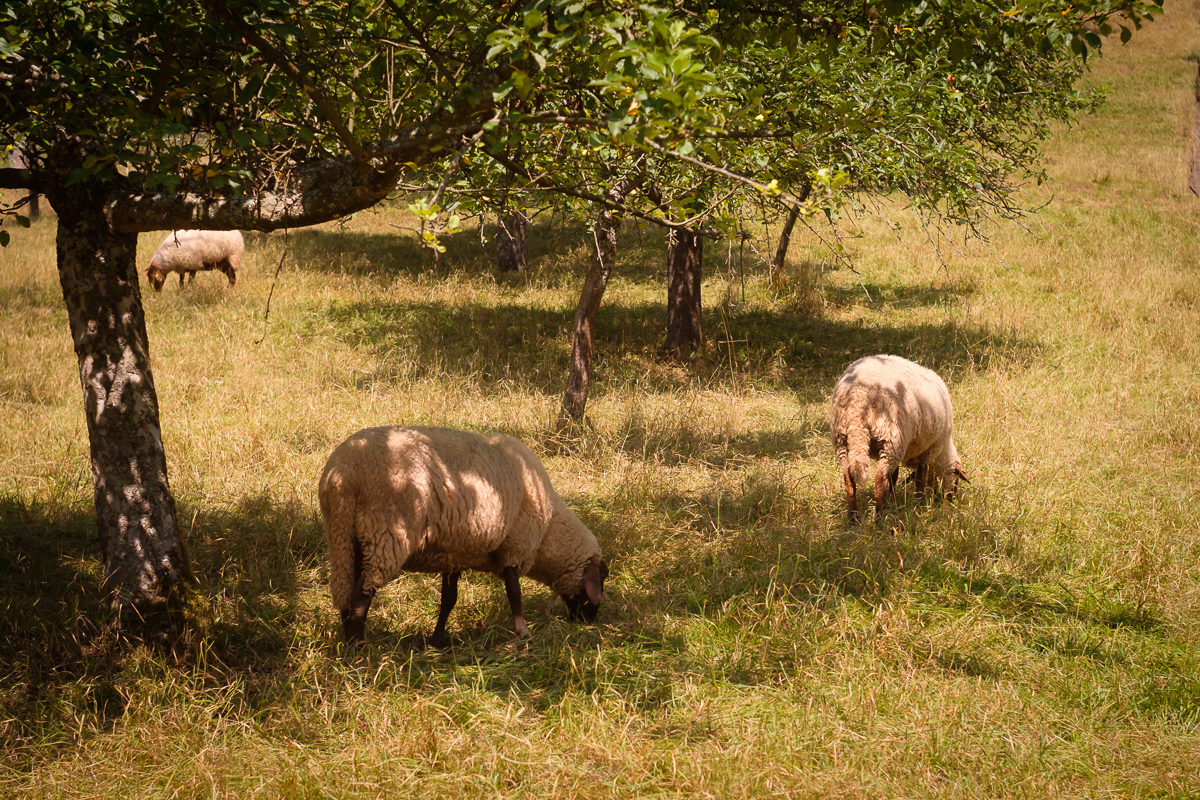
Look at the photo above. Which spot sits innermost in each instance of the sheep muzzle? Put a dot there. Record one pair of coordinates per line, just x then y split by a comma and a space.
585, 605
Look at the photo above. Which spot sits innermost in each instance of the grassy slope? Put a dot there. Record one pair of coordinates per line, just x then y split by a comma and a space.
1035, 639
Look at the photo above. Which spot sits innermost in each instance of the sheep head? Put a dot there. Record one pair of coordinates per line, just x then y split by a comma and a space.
156, 276
952, 472
585, 605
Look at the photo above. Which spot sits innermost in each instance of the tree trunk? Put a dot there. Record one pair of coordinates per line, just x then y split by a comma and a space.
785, 239
604, 253
684, 255
510, 242
146, 567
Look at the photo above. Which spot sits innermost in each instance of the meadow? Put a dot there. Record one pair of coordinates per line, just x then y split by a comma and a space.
1034, 638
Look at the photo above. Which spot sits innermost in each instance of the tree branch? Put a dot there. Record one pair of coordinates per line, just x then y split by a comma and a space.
317, 192
733, 176
314, 192
14, 178
324, 105
546, 183
426, 47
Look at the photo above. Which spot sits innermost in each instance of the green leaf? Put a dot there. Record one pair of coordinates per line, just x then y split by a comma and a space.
496, 49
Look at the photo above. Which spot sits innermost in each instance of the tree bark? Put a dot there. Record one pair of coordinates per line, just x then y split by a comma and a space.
684, 323
785, 239
604, 253
146, 567
510, 242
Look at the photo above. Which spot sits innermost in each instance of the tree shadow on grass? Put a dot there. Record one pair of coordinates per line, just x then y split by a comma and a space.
721, 554
724, 553
249, 560
895, 295
56, 643
680, 441
511, 342
62, 662
489, 344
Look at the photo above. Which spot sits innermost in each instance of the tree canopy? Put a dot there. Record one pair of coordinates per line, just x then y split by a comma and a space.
201, 112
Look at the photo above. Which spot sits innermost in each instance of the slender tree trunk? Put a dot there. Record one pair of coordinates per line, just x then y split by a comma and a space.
510, 242
146, 567
684, 256
604, 252
785, 239
1194, 182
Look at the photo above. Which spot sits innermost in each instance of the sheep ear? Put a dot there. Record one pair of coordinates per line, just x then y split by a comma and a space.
593, 581
960, 472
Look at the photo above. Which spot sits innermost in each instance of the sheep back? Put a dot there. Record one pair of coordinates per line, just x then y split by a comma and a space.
432, 499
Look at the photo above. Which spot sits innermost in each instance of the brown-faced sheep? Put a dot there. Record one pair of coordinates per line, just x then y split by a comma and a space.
189, 252
438, 500
889, 408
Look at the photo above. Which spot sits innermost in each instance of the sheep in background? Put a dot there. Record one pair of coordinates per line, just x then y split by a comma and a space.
189, 252
438, 500
889, 408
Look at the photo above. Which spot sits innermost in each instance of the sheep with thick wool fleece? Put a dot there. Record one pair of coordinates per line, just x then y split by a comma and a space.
889, 408
191, 251
439, 500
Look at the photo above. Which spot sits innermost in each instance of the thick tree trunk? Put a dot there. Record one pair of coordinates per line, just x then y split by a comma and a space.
684, 255
785, 239
146, 566
510, 242
604, 253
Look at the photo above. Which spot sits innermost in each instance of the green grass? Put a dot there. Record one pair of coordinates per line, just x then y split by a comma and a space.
1036, 638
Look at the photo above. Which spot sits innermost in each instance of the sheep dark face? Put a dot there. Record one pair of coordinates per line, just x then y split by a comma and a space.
585, 605
951, 477
156, 277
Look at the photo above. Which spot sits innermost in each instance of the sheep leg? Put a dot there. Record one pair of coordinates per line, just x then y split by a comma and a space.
354, 618
851, 499
883, 487
922, 479
512, 586
449, 598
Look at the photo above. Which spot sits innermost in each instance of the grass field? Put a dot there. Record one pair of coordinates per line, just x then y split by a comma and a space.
1036, 638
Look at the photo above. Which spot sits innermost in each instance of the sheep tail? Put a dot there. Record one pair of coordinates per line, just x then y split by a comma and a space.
345, 553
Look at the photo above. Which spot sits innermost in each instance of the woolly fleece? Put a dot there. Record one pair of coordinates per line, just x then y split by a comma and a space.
439, 500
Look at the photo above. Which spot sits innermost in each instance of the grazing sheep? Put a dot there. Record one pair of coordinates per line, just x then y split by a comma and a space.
889, 408
438, 500
189, 252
